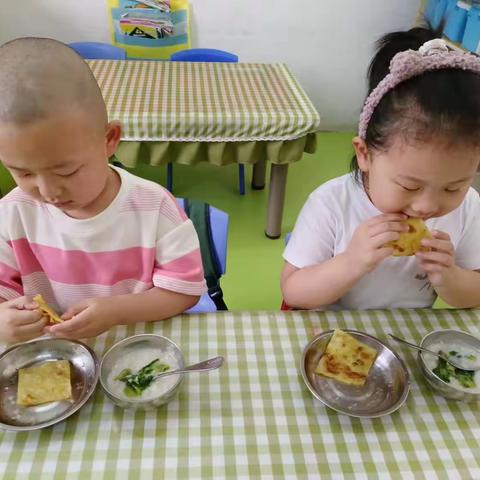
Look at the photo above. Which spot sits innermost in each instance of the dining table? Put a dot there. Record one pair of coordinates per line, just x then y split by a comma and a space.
255, 417
221, 113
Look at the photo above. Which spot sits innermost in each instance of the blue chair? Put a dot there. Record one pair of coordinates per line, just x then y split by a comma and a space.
98, 50
219, 226
205, 55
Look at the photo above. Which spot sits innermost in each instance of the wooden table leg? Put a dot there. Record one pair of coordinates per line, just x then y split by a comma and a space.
276, 200
258, 175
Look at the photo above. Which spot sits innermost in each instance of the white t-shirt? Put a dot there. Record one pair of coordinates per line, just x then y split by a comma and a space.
326, 225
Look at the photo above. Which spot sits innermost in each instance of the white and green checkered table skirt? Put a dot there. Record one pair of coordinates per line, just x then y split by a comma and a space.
255, 418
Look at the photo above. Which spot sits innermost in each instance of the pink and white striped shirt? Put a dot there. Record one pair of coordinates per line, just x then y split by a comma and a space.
142, 239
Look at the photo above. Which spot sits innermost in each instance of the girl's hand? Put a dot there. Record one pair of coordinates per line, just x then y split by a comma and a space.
87, 319
367, 247
439, 261
20, 320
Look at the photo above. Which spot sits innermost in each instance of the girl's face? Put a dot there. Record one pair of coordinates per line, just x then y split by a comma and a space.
420, 180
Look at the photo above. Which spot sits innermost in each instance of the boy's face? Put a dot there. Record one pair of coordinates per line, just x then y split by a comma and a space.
63, 160
421, 180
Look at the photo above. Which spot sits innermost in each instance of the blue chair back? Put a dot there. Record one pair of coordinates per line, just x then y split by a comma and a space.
219, 226
204, 55
98, 50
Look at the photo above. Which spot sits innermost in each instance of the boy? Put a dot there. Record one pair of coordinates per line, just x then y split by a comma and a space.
98, 243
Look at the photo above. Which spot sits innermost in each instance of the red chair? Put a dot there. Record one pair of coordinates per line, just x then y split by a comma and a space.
284, 307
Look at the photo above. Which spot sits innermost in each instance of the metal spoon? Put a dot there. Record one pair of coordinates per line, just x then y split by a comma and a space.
449, 360
205, 366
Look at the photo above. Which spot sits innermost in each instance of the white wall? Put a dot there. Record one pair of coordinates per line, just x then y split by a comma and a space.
327, 44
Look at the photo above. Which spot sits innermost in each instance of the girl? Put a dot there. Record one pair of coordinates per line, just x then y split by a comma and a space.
416, 155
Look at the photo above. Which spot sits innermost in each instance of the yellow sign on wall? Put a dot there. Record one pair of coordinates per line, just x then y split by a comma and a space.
150, 29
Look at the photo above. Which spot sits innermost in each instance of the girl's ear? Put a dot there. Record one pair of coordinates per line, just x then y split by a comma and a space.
113, 132
363, 156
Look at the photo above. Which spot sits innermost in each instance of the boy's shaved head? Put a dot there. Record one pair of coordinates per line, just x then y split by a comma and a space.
40, 76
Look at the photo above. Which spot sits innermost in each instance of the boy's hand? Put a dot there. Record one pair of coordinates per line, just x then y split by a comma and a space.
87, 319
439, 261
20, 320
367, 247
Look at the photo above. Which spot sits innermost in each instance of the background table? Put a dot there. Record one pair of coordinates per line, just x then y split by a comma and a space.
221, 113
255, 418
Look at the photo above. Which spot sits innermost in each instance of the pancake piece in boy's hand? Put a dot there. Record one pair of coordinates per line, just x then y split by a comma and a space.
346, 359
48, 382
48, 311
409, 242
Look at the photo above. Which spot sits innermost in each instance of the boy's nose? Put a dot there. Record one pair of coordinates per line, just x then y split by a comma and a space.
49, 191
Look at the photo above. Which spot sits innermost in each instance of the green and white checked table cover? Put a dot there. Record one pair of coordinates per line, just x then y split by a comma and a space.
254, 418
208, 102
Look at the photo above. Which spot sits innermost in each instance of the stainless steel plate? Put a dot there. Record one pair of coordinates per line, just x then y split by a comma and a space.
385, 389
84, 377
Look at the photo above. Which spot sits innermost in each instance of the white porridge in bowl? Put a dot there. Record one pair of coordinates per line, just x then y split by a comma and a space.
132, 375
462, 379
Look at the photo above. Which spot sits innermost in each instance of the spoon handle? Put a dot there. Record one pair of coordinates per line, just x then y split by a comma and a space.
401, 340
205, 366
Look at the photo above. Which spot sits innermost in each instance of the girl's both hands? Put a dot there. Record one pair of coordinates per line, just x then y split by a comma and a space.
439, 261
87, 319
367, 248
20, 320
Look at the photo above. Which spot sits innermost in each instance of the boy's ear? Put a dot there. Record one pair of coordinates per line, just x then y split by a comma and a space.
113, 133
361, 151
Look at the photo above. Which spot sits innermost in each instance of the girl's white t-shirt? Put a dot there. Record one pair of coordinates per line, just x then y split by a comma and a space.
326, 225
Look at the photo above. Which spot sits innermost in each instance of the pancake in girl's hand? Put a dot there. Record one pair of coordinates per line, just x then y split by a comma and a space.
409, 242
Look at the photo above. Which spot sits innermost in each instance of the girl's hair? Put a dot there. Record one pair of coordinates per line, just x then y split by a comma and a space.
443, 104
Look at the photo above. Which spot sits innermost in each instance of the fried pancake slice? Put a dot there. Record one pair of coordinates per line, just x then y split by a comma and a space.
47, 310
48, 382
409, 242
346, 359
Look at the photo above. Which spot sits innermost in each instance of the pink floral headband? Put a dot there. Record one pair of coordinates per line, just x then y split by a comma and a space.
432, 55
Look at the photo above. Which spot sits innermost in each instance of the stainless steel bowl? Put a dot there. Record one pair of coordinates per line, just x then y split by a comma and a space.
84, 376
136, 343
384, 391
436, 384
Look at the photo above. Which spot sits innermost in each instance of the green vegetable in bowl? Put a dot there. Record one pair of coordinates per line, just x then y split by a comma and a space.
465, 377
444, 371
136, 383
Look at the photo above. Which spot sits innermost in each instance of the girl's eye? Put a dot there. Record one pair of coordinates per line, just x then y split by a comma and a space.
455, 190
410, 189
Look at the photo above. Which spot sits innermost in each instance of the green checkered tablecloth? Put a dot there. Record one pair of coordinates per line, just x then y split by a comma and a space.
255, 418
210, 102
